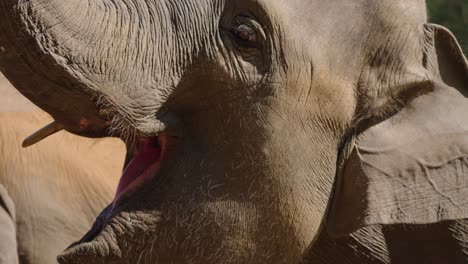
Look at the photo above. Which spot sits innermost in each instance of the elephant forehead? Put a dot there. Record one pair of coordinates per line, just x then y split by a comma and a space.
345, 9
338, 19
333, 32
303, 10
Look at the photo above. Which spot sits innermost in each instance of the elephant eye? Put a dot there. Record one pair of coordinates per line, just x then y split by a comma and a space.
245, 33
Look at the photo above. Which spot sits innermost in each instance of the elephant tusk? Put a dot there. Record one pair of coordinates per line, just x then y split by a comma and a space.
42, 133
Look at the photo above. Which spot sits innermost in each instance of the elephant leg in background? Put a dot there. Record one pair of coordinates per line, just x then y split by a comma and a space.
445, 242
8, 245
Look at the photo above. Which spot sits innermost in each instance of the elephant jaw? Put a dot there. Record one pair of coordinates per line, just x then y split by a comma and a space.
144, 165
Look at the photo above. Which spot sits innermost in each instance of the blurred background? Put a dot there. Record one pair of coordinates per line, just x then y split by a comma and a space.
452, 14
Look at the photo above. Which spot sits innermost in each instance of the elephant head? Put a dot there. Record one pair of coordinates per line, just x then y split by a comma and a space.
241, 116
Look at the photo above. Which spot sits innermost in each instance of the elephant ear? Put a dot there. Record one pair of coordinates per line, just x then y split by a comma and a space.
413, 167
444, 58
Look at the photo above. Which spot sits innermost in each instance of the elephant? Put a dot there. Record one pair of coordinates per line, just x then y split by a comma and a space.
257, 131
47, 197
12, 101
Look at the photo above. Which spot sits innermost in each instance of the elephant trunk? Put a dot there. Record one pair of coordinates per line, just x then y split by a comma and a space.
47, 47
94, 65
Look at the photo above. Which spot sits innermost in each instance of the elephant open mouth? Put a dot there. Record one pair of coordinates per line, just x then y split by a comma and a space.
145, 157
143, 164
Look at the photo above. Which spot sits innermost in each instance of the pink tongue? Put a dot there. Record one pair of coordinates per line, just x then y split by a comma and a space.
147, 155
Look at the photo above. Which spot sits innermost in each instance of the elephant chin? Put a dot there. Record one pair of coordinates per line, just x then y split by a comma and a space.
101, 248
111, 231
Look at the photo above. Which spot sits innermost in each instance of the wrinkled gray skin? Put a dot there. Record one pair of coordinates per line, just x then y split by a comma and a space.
264, 129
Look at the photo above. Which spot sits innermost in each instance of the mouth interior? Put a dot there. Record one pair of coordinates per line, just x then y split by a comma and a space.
146, 161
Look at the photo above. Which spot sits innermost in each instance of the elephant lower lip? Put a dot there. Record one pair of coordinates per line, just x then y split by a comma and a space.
143, 166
